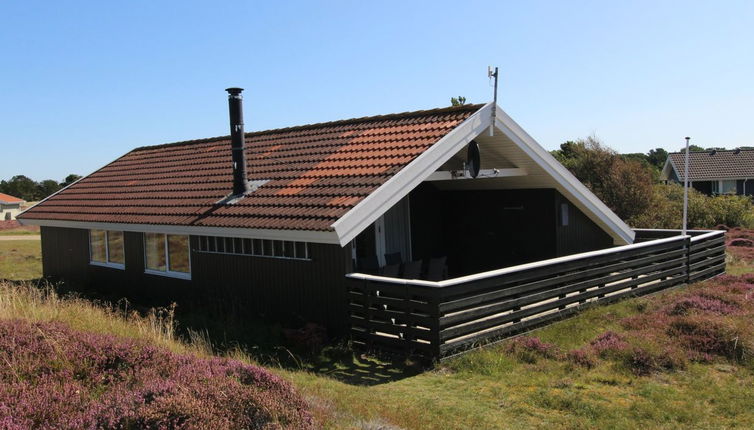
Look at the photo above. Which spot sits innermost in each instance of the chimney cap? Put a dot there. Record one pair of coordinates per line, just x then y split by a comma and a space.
234, 91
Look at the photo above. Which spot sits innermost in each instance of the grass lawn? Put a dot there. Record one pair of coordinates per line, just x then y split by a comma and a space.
18, 232
20, 259
487, 388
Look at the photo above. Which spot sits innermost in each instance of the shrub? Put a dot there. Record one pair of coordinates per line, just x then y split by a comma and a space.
703, 303
665, 209
55, 377
649, 358
583, 357
609, 344
703, 334
528, 349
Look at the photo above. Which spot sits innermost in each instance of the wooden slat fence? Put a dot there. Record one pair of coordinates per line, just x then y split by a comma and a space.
439, 319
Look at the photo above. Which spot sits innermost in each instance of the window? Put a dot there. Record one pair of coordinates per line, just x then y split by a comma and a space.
257, 247
564, 214
167, 254
729, 187
106, 248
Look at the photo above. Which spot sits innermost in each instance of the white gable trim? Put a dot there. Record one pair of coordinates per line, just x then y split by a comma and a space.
408, 178
327, 237
619, 230
387, 195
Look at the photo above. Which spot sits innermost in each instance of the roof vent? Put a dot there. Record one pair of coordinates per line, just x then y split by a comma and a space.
713, 152
235, 106
737, 151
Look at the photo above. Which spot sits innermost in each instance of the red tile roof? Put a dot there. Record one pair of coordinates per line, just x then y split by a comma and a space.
706, 165
5, 198
316, 174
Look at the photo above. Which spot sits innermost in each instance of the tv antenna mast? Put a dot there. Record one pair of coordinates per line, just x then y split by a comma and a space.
493, 75
686, 188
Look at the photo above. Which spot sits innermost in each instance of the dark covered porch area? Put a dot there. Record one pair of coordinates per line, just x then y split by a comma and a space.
467, 231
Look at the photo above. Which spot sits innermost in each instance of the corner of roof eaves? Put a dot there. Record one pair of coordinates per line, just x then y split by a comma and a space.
617, 228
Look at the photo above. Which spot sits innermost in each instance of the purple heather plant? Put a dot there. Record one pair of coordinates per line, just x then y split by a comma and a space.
57, 378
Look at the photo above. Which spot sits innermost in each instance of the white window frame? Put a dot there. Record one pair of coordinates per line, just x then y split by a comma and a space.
167, 272
255, 249
107, 262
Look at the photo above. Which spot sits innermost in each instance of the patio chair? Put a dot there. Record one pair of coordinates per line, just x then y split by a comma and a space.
437, 270
369, 264
412, 270
393, 258
391, 270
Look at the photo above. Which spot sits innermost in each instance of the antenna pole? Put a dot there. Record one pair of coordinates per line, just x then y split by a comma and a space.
491, 74
686, 188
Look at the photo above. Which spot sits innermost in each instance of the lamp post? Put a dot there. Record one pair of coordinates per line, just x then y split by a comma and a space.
686, 188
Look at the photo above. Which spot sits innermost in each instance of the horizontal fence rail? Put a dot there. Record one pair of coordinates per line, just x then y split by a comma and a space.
439, 319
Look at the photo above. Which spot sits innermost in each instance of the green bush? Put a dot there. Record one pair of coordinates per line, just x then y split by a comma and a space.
665, 210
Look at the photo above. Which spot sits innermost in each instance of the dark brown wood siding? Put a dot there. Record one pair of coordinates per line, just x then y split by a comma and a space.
280, 289
581, 234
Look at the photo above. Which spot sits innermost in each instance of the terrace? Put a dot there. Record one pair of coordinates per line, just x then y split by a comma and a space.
438, 319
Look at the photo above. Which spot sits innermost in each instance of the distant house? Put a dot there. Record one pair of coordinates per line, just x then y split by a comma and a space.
714, 172
9, 207
272, 221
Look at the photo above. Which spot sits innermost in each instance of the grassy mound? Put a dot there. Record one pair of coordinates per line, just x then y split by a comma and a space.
702, 325
59, 378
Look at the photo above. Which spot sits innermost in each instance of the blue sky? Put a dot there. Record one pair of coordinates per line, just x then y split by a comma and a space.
81, 83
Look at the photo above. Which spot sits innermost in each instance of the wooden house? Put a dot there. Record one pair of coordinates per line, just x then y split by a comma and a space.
714, 172
10, 207
273, 221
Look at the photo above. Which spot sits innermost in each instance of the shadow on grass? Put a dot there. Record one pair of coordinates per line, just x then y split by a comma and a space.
231, 331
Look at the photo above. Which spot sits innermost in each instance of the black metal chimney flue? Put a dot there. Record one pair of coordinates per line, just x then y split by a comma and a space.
237, 141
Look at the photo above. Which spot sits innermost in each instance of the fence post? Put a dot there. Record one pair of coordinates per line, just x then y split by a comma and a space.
435, 340
687, 244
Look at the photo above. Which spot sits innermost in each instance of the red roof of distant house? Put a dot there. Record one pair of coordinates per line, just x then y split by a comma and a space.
316, 174
4, 198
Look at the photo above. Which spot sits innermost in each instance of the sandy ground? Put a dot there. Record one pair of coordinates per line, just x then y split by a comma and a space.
21, 237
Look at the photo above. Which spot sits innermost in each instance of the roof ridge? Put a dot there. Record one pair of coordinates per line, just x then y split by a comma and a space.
710, 151
408, 114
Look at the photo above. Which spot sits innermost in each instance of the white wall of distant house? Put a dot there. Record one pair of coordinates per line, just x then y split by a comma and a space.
8, 211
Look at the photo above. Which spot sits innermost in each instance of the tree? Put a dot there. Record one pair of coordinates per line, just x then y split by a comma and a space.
69, 180
622, 183
47, 187
458, 101
693, 148
22, 187
657, 157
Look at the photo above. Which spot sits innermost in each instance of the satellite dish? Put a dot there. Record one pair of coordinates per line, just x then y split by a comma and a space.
472, 159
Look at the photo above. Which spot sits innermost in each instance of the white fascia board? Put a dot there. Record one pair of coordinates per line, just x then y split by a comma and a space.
388, 194
665, 173
620, 231
327, 237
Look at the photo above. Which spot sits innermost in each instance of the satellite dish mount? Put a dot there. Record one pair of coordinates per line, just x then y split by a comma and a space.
473, 160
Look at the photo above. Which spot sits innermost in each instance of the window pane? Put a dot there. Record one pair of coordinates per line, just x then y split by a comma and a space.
258, 247
288, 250
729, 187
247, 246
220, 244
115, 247
301, 250
278, 246
211, 242
97, 245
237, 246
178, 248
267, 247
154, 246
